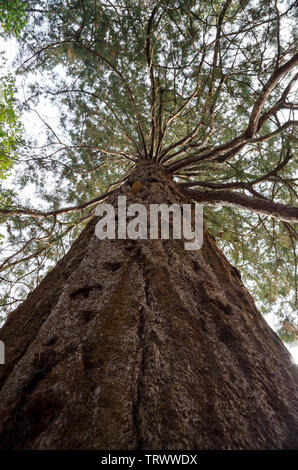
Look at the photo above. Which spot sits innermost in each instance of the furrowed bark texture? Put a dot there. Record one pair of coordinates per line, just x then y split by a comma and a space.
144, 345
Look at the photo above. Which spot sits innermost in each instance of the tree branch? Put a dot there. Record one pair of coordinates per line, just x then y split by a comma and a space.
152, 79
242, 201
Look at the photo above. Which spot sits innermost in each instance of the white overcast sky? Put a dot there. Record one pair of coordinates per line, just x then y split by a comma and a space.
33, 126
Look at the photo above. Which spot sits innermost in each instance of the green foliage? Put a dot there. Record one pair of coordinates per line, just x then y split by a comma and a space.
11, 128
13, 16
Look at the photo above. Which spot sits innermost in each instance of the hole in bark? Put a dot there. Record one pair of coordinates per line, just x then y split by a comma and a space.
51, 341
227, 309
224, 307
84, 291
226, 335
196, 266
113, 266
87, 315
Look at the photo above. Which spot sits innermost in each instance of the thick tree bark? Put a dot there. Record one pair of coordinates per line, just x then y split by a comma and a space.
143, 345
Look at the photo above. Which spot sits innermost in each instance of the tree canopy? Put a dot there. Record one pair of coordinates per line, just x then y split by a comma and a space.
206, 88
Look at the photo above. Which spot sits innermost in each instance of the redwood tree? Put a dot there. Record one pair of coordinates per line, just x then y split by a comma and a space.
140, 344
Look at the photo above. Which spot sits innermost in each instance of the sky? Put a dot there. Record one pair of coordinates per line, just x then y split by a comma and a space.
33, 127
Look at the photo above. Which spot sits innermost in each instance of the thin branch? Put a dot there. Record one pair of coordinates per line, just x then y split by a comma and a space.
55, 213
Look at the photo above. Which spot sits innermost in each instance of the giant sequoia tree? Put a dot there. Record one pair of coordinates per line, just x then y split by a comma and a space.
140, 344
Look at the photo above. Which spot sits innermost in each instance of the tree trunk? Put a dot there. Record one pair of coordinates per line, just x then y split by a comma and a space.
144, 345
